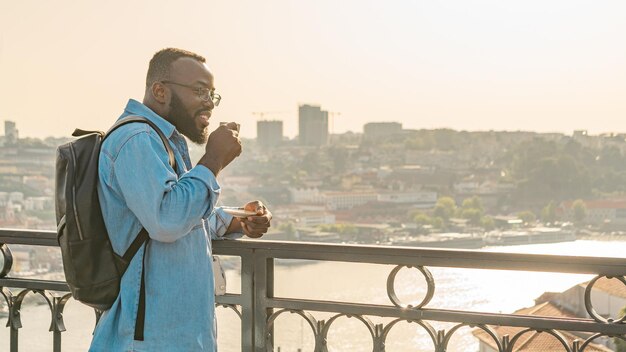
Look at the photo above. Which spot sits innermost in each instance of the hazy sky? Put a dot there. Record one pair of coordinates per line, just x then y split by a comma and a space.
555, 65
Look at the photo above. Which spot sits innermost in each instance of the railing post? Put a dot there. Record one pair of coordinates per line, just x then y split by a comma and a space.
506, 342
576, 346
14, 339
269, 294
56, 341
58, 326
441, 341
379, 342
248, 295
15, 322
320, 338
263, 289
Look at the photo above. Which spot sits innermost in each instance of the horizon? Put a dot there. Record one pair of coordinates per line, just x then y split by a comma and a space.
543, 67
605, 134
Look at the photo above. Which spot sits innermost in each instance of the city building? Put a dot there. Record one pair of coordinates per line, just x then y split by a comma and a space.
374, 130
11, 134
312, 125
269, 133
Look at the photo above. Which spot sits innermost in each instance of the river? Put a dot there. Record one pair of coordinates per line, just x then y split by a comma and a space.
462, 289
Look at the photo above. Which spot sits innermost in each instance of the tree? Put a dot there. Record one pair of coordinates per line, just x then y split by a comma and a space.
344, 229
527, 216
545, 170
580, 211
445, 208
289, 228
328, 228
347, 229
472, 210
474, 215
422, 219
438, 223
488, 223
548, 213
473, 203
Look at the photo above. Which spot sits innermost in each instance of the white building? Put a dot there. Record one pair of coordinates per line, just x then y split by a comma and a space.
38, 203
315, 218
348, 200
417, 199
16, 197
306, 195
608, 298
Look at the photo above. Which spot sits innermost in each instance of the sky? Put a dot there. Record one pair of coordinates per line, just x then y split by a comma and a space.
547, 66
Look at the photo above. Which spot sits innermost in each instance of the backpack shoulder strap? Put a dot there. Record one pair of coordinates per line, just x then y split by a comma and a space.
170, 152
142, 237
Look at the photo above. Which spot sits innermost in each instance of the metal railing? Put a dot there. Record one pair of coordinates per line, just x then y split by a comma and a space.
258, 307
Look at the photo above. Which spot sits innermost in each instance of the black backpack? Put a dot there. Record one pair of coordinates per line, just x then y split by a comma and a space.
93, 271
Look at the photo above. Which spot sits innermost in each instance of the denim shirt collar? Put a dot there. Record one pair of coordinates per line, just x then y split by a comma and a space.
133, 107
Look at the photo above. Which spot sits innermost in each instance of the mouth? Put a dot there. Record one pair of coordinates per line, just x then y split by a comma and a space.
203, 117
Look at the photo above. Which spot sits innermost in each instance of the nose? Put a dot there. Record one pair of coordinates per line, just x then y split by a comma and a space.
209, 104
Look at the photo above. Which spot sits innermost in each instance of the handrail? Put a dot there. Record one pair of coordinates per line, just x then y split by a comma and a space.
258, 307
605, 266
456, 258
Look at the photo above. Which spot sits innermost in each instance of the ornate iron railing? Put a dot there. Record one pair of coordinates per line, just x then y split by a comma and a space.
258, 307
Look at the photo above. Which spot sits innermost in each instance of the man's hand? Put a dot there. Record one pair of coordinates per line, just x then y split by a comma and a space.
257, 225
222, 147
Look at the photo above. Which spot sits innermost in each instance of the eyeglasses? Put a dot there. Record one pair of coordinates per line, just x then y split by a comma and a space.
205, 94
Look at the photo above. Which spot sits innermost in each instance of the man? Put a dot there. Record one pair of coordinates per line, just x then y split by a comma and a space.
138, 188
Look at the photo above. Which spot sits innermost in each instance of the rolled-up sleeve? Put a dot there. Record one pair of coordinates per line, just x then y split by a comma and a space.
167, 206
218, 223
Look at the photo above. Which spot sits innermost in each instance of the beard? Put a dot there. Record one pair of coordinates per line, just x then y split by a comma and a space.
185, 122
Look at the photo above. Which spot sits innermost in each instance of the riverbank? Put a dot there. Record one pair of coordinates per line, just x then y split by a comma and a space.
601, 236
537, 235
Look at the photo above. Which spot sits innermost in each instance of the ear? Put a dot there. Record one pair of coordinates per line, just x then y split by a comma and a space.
159, 92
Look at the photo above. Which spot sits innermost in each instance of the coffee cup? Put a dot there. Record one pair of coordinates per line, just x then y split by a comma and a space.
226, 124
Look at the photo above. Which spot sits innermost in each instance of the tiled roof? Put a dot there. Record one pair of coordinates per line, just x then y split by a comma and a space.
533, 341
546, 309
614, 287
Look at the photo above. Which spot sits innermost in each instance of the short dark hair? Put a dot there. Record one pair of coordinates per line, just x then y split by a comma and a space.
159, 68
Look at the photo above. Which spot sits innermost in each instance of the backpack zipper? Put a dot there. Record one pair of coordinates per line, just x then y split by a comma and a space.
80, 232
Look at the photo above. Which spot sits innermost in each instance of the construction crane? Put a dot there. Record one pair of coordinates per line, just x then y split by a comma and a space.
261, 114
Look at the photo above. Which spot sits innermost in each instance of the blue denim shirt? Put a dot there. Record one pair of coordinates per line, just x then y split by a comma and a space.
177, 207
